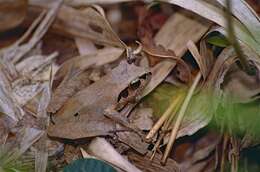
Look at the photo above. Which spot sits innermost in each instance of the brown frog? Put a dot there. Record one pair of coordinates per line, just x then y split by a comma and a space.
83, 115
130, 95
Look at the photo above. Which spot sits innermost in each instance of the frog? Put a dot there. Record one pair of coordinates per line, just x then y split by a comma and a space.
94, 110
129, 96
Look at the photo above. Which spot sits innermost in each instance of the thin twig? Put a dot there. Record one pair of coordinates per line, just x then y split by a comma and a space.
167, 125
223, 154
179, 118
232, 38
163, 118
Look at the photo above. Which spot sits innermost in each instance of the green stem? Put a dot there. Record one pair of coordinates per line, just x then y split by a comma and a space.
233, 41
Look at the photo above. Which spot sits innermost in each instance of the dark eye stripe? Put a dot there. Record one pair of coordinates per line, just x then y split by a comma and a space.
123, 94
145, 76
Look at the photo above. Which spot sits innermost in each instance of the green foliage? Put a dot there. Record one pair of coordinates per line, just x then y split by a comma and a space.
10, 161
241, 118
88, 165
219, 41
161, 97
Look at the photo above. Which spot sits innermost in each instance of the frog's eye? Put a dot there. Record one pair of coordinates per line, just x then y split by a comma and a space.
135, 84
123, 94
145, 76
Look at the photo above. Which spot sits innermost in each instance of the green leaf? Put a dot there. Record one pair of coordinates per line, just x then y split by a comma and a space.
218, 41
161, 97
88, 165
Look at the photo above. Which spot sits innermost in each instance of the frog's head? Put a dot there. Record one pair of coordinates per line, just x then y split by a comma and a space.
135, 88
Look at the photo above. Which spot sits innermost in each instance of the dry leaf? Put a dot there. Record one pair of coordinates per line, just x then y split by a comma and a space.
8, 103
214, 12
89, 23
73, 76
183, 26
142, 118
85, 46
17, 50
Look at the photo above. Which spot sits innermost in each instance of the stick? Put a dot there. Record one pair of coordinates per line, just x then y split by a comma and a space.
179, 119
163, 118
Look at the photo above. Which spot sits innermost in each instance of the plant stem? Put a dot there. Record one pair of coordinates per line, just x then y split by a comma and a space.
179, 118
163, 118
233, 41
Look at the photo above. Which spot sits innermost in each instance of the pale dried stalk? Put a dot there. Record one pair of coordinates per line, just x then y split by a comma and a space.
167, 126
224, 148
156, 146
30, 29
234, 154
179, 118
163, 118
39, 33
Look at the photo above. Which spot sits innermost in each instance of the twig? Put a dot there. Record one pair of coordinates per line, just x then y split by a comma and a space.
179, 118
232, 38
166, 125
163, 118
223, 154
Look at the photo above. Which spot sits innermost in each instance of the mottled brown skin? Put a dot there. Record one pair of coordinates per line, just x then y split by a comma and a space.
130, 95
83, 114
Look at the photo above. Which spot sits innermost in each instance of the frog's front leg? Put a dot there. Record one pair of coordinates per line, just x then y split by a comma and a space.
113, 114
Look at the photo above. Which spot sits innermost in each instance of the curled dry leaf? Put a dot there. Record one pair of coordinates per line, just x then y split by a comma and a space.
12, 13
89, 23
213, 11
240, 86
246, 15
200, 109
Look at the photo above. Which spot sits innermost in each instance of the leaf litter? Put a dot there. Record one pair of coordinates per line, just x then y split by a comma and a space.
111, 100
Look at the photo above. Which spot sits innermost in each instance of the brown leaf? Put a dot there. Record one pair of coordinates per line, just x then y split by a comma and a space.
89, 23
73, 75
182, 26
